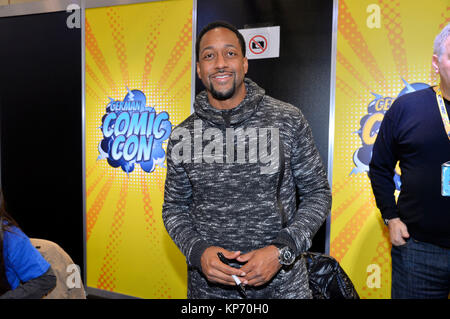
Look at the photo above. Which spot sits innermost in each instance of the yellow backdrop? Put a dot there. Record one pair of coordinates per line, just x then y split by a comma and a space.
145, 47
384, 49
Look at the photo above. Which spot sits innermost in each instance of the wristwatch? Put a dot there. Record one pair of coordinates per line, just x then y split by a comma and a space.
386, 221
286, 256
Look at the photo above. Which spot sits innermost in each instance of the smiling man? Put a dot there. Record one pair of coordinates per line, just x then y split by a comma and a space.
221, 66
260, 220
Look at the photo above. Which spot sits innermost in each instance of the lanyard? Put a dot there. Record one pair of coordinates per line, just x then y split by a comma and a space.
442, 110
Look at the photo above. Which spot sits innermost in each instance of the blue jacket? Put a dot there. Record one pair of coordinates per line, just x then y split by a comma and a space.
22, 261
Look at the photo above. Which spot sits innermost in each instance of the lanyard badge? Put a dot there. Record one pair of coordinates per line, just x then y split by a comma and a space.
446, 179
446, 166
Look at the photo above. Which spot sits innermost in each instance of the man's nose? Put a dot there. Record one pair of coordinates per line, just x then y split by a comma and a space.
220, 62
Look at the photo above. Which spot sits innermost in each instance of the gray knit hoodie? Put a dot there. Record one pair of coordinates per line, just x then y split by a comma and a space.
213, 198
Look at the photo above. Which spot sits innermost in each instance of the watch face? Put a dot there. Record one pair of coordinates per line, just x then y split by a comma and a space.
287, 256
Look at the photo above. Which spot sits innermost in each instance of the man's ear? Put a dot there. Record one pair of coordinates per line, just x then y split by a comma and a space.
245, 65
198, 70
435, 63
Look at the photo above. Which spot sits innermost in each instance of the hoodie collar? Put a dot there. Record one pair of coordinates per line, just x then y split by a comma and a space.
235, 116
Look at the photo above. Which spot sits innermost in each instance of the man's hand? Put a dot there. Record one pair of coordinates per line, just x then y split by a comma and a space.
397, 232
215, 270
261, 265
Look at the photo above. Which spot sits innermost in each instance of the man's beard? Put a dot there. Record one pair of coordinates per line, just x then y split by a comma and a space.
223, 95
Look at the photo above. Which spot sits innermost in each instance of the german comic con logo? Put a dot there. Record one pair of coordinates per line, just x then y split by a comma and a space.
133, 134
370, 125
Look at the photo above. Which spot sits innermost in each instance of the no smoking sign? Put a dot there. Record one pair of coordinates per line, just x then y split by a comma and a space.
262, 42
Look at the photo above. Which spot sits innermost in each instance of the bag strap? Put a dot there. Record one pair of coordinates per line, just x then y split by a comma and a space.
280, 182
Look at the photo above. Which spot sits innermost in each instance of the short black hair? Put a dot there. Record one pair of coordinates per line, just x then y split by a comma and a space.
219, 24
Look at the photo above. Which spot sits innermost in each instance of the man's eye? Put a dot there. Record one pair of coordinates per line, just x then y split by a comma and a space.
208, 56
231, 53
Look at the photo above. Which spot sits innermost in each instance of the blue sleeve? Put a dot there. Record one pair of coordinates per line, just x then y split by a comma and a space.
22, 261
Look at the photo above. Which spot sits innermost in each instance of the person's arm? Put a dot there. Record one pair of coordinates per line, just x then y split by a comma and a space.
381, 174
35, 288
313, 191
176, 210
315, 203
382, 168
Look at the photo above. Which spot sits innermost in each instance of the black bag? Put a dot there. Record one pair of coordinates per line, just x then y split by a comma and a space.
327, 279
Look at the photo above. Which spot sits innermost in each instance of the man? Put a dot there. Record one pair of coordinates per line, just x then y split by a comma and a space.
228, 197
413, 132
